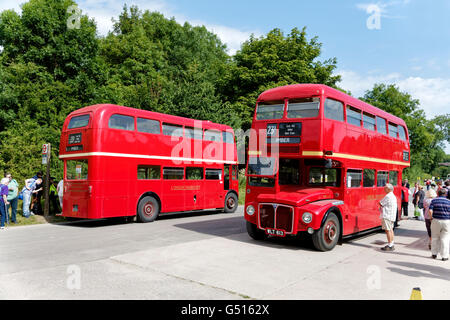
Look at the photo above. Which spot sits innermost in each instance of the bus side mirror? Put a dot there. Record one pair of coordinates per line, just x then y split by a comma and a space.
328, 163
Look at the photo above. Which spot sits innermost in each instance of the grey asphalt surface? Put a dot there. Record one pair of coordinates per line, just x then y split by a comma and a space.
210, 257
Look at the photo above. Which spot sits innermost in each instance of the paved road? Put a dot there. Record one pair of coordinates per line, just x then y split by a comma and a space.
209, 256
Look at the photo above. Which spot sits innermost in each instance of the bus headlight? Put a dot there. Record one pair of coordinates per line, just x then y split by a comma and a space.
250, 210
307, 217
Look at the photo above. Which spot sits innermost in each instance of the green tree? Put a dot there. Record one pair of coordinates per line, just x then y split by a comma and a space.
46, 71
271, 61
156, 64
425, 138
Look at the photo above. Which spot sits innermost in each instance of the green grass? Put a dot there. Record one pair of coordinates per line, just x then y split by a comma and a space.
242, 187
36, 219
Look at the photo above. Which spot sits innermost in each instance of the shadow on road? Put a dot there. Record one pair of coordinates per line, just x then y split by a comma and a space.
107, 222
421, 270
229, 227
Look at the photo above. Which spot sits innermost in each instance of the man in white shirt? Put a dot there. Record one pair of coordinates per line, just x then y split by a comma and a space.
388, 210
60, 190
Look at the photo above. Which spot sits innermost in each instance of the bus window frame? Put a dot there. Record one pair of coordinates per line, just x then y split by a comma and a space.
80, 115
76, 180
123, 115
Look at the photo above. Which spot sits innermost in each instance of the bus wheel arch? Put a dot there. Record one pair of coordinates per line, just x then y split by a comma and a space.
330, 232
148, 207
231, 202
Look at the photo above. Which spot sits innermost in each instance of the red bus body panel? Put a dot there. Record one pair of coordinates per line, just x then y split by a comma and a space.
352, 147
112, 188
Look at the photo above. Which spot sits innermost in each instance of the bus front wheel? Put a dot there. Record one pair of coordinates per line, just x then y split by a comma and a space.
231, 203
148, 209
328, 236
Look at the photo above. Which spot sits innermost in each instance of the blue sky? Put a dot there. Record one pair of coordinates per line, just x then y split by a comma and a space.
409, 47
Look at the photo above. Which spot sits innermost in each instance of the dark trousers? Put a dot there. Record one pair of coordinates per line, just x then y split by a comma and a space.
54, 206
405, 206
13, 205
2, 213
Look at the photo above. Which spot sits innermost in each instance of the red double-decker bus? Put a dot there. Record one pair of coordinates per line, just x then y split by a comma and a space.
123, 162
318, 161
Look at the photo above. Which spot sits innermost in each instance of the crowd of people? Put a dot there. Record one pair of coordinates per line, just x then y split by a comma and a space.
30, 194
432, 207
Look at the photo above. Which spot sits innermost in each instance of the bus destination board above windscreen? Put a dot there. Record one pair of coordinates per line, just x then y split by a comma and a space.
287, 133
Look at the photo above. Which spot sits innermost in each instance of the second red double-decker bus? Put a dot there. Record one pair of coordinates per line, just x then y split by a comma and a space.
318, 162
123, 162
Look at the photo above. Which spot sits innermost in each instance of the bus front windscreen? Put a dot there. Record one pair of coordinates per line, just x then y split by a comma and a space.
261, 166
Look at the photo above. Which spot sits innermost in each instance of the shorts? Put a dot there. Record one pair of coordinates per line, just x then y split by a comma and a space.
387, 225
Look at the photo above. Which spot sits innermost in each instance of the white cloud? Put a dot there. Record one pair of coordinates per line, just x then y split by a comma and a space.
382, 7
11, 4
433, 93
233, 38
104, 11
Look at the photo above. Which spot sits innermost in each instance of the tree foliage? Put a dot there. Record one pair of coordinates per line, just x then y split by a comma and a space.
271, 61
426, 136
148, 61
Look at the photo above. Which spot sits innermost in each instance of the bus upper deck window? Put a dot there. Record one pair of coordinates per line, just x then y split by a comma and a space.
402, 133
227, 137
303, 108
381, 125
79, 122
270, 110
393, 130
118, 121
334, 110
354, 116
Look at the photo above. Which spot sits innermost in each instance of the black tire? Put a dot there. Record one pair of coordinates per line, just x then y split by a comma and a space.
254, 232
231, 203
148, 209
328, 236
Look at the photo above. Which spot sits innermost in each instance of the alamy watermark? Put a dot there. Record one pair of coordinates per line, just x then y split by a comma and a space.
374, 280
73, 281
374, 20
74, 21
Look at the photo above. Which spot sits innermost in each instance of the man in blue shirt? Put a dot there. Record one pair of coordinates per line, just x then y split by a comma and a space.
440, 225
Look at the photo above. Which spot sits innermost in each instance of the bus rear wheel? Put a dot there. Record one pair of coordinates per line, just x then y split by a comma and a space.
148, 209
328, 236
254, 232
231, 203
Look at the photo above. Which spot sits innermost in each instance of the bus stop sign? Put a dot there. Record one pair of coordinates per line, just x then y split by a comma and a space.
45, 153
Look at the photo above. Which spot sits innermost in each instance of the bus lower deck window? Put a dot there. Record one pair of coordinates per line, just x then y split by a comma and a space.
76, 169
173, 173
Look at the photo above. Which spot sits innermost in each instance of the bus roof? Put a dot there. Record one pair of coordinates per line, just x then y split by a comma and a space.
305, 90
100, 110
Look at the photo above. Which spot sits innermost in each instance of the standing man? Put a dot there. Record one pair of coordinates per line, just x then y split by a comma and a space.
60, 190
405, 199
13, 197
440, 225
388, 210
